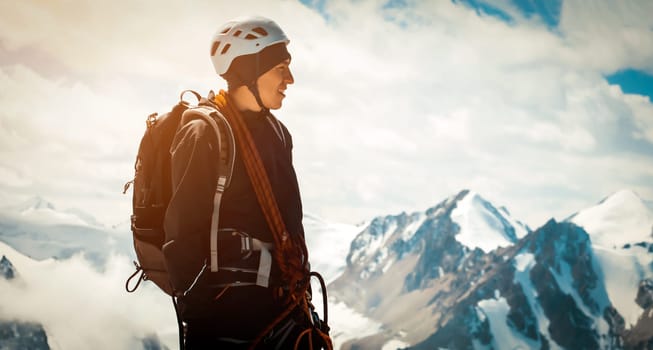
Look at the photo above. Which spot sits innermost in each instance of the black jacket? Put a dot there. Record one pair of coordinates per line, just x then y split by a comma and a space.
241, 312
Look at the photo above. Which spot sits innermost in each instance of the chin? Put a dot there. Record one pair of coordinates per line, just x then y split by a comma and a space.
275, 106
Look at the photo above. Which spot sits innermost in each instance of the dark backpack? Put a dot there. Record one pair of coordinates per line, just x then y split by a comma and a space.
152, 186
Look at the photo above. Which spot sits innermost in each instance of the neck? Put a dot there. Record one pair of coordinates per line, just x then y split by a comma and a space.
244, 99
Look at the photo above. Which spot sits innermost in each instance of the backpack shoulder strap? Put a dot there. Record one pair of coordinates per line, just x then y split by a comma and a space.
227, 156
224, 135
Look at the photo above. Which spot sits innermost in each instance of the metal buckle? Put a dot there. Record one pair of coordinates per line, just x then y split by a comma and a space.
246, 244
151, 119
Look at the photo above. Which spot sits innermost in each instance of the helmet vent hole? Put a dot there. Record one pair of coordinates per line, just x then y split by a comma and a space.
214, 47
237, 33
250, 37
261, 31
225, 49
226, 30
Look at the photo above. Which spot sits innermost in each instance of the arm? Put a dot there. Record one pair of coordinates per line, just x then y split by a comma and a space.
188, 217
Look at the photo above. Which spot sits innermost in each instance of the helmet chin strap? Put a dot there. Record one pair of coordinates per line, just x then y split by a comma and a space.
253, 86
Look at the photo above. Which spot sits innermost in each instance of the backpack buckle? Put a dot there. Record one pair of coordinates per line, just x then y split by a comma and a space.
246, 244
151, 119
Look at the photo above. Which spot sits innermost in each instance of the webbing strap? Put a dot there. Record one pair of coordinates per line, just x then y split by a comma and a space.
224, 171
264, 263
250, 244
215, 220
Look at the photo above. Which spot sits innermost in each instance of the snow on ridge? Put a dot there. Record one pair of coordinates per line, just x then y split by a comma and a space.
617, 220
503, 336
565, 282
39, 210
523, 263
410, 230
482, 226
621, 271
374, 237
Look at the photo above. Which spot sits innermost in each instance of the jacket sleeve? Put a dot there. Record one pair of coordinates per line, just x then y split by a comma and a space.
188, 217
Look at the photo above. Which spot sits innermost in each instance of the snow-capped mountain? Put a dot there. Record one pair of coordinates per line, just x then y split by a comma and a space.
621, 228
620, 219
37, 229
473, 223
464, 275
483, 226
396, 258
39, 210
541, 293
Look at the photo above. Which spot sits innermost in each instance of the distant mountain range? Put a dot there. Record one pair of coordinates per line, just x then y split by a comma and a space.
39, 230
464, 274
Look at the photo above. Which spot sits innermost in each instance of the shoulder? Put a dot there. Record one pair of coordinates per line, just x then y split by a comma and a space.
193, 130
194, 121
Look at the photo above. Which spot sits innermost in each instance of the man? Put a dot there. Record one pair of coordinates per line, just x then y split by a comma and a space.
233, 297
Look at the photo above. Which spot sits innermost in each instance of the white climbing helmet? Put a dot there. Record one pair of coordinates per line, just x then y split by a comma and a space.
243, 36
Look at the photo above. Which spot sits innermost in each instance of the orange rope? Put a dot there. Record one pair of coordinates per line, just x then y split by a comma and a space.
290, 253
325, 337
301, 335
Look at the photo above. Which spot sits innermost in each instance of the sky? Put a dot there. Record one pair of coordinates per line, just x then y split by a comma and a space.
396, 105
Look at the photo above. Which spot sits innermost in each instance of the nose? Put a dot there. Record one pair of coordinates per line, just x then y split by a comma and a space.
288, 78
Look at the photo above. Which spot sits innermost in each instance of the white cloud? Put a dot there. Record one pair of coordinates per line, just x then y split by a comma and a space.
642, 111
609, 35
453, 127
386, 115
65, 295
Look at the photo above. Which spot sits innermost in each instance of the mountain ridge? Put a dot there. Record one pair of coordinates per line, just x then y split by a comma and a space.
452, 290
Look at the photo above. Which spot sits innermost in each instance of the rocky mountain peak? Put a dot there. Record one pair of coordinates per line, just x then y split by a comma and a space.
7, 269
